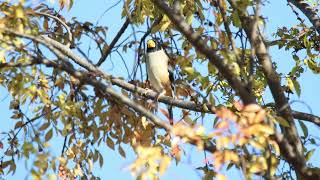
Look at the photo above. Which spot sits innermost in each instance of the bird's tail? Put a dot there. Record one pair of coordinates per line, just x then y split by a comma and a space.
170, 114
170, 93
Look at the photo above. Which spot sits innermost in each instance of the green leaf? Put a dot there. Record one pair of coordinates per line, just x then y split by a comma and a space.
309, 154
304, 128
282, 121
189, 70
297, 87
165, 26
211, 99
189, 18
236, 20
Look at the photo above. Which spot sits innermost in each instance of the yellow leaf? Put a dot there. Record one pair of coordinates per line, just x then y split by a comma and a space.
189, 70
189, 18
90, 165
282, 121
165, 26
78, 171
290, 84
256, 144
221, 177
144, 122
51, 177
2, 56
275, 147
164, 164
259, 165
20, 13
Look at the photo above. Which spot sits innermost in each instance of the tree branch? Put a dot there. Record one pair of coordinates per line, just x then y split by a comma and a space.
306, 117
61, 22
196, 40
309, 12
87, 79
106, 51
293, 143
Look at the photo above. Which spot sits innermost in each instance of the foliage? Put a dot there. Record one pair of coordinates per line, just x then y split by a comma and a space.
58, 94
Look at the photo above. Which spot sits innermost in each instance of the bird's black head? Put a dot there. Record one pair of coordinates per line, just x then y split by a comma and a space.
152, 46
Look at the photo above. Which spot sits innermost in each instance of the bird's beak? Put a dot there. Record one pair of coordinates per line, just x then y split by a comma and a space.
151, 44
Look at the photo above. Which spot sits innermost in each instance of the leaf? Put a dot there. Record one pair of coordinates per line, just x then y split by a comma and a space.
13, 168
297, 87
45, 24
20, 12
70, 4
221, 177
211, 99
312, 65
165, 26
304, 129
282, 121
189, 70
49, 135
164, 164
100, 160
44, 126
236, 20
121, 151
290, 83
188, 120
18, 124
309, 154
17, 115
110, 143
189, 18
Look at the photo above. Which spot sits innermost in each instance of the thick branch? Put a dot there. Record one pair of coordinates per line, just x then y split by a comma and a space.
196, 40
293, 144
309, 12
53, 45
306, 117
87, 79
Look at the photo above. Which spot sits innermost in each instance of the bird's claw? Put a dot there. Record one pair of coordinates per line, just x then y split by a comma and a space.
147, 90
160, 95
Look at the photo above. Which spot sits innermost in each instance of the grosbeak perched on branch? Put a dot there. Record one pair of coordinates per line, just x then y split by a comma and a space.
159, 73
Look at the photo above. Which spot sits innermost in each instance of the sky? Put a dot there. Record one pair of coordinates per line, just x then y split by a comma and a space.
278, 13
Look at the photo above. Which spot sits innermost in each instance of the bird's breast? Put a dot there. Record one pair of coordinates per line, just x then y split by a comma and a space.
158, 68
158, 64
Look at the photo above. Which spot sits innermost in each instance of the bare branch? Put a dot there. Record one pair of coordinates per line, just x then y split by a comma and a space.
106, 51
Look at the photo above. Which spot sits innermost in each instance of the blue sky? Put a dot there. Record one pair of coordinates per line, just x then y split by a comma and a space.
278, 14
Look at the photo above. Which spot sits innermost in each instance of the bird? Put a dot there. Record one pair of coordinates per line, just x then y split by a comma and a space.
159, 72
